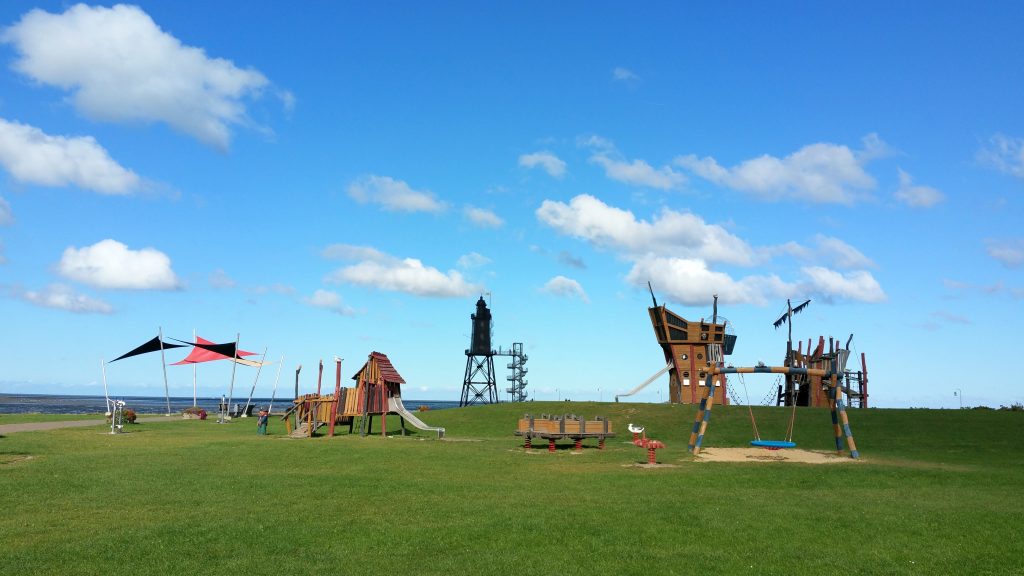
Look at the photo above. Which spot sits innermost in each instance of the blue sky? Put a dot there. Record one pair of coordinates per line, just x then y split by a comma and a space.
351, 177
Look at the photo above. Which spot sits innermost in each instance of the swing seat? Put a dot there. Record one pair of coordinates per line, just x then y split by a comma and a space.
773, 444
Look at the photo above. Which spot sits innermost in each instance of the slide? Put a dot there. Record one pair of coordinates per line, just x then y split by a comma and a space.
645, 382
395, 405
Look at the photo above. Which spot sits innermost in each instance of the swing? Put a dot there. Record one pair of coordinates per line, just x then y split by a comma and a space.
757, 442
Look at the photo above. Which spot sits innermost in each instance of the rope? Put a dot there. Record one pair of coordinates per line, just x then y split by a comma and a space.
792, 420
753, 422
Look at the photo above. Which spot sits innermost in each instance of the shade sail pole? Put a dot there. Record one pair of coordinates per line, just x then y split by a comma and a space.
234, 366
103, 369
163, 362
254, 382
273, 394
194, 373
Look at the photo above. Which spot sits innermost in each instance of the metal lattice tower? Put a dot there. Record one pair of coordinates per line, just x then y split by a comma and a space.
517, 392
478, 386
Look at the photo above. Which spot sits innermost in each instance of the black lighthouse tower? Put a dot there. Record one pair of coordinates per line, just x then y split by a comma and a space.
479, 386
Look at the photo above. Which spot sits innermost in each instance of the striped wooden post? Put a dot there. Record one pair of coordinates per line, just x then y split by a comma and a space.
702, 428
834, 400
846, 429
696, 422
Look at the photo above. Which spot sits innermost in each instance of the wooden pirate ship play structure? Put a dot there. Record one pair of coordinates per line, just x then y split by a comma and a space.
378, 392
815, 380
691, 349
807, 388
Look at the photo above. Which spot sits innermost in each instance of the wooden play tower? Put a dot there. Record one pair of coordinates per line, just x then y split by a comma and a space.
692, 349
378, 392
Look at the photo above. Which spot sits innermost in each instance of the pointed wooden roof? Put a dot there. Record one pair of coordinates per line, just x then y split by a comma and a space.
384, 365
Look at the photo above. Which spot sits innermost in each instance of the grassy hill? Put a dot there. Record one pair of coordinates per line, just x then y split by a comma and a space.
935, 492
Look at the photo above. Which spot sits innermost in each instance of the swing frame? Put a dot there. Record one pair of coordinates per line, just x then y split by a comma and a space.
840, 421
757, 442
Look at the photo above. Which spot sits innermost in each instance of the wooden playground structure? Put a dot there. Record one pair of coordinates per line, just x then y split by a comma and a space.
377, 392
840, 421
809, 390
552, 428
691, 349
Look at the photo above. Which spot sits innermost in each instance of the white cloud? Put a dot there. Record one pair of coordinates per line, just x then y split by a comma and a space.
817, 172
393, 195
472, 260
1009, 253
639, 173
858, 285
62, 297
34, 157
840, 254
329, 301
482, 217
351, 252
670, 232
6, 216
689, 281
674, 251
122, 67
567, 287
635, 173
829, 250
916, 196
407, 275
874, 148
1003, 153
287, 100
220, 279
553, 165
624, 74
111, 264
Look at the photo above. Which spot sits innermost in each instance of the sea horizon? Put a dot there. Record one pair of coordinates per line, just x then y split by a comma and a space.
19, 403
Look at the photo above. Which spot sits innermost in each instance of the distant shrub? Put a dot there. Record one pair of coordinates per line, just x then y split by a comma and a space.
129, 416
1015, 407
981, 408
423, 408
194, 412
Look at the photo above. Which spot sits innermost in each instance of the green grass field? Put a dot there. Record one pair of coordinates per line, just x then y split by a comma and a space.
935, 492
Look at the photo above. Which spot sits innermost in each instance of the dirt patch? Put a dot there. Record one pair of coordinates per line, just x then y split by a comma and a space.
764, 455
14, 458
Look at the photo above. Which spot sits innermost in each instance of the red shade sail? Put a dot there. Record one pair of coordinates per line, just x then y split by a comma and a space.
207, 351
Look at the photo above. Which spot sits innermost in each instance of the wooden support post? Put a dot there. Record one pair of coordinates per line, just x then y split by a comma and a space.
846, 430
707, 402
383, 408
697, 421
337, 396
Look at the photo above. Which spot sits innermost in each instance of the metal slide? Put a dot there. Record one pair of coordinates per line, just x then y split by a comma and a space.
645, 382
395, 405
